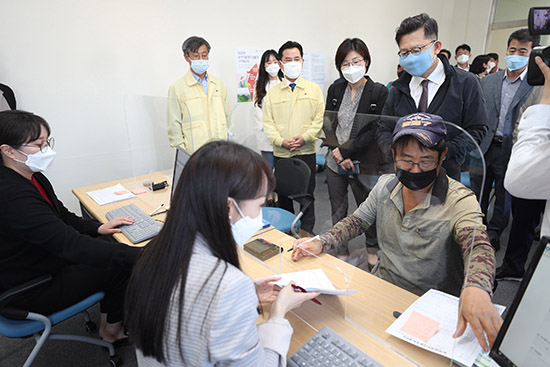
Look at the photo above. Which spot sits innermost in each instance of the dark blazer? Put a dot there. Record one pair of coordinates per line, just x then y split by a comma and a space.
37, 238
458, 100
492, 90
362, 144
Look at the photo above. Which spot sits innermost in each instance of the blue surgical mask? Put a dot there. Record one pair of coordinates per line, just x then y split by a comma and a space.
516, 62
199, 66
417, 64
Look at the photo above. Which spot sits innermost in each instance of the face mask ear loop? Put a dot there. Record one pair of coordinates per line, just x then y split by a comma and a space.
237, 206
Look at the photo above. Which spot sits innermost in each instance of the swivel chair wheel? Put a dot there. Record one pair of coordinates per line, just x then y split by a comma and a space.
116, 361
90, 327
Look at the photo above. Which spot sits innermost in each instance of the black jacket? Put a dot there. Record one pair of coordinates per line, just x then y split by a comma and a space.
38, 239
362, 144
9, 96
459, 100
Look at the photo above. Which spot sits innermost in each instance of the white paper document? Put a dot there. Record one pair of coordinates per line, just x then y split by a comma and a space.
314, 280
110, 194
430, 323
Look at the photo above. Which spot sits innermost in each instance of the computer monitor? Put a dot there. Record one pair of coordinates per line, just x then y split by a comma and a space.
181, 159
524, 339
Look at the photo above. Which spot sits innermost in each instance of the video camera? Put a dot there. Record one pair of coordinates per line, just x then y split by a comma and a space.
539, 23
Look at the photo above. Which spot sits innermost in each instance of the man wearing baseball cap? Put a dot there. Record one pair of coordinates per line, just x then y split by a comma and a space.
425, 224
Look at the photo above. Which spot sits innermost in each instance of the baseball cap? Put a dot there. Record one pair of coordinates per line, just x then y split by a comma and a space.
428, 129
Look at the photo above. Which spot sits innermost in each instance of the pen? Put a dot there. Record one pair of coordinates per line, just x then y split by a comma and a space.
156, 209
311, 239
300, 289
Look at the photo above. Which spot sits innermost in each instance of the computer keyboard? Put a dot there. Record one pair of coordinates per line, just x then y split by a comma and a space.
326, 348
144, 226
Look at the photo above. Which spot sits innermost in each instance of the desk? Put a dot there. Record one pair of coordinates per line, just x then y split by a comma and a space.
361, 319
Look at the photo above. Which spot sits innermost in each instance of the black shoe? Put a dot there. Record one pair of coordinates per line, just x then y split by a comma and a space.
505, 274
495, 242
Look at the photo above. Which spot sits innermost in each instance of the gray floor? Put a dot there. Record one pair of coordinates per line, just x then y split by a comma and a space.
13, 352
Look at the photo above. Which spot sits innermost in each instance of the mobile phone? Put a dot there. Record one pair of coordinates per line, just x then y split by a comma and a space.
355, 170
261, 249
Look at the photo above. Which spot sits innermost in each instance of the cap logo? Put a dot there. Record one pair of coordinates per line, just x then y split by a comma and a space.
426, 137
416, 123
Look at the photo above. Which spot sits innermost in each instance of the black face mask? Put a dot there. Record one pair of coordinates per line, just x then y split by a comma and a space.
416, 181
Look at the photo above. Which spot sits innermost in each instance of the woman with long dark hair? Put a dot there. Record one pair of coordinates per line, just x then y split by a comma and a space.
188, 301
269, 75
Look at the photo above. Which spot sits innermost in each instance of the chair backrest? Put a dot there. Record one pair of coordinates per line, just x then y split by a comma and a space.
292, 177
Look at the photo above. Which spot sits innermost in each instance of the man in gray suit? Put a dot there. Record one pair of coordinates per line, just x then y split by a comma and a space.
504, 93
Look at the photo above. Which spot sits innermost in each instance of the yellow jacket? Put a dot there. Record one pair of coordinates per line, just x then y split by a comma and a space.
210, 114
288, 114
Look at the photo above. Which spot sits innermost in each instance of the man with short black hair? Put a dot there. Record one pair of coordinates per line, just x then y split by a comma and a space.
505, 92
446, 53
430, 84
493, 62
429, 227
293, 119
463, 53
198, 110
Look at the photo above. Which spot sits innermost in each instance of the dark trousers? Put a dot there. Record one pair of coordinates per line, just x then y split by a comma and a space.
72, 284
338, 194
495, 171
308, 220
525, 218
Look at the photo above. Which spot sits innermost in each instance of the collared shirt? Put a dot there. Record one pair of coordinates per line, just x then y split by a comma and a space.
467, 68
288, 82
288, 114
509, 89
203, 81
346, 117
527, 173
436, 78
429, 246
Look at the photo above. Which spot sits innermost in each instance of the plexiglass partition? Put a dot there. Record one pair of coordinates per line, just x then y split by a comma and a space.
419, 251
426, 253
151, 131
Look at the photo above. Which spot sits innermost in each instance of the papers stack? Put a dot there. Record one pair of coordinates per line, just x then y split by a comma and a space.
314, 280
430, 323
110, 194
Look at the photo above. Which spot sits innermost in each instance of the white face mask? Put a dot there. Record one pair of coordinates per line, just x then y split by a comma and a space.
354, 73
463, 59
38, 162
292, 69
273, 69
245, 227
490, 66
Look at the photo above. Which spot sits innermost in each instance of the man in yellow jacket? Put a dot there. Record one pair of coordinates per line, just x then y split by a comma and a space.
198, 110
293, 119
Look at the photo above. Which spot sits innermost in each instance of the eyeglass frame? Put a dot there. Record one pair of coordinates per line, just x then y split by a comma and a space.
434, 163
50, 142
412, 50
354, 63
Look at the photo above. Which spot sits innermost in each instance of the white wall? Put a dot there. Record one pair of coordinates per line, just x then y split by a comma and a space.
73, 62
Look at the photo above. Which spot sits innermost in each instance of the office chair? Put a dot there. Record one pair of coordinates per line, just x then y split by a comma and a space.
18, 323
292, 177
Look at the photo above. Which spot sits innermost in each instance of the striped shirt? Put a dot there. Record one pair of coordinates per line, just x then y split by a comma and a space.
219, 320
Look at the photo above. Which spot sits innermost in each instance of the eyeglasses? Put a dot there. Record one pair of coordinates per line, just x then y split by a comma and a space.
50, 142
414, 50
424, 165
354, 62
197, 56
